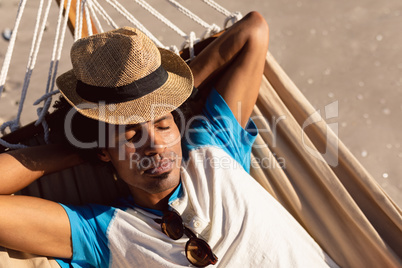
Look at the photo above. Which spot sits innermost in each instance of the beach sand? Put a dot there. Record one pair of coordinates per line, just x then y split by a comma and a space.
347, 52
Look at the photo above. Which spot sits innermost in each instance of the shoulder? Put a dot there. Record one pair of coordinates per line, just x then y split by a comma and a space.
217, 126
89, 226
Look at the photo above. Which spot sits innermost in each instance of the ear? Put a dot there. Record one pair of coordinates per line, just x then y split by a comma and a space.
104, 155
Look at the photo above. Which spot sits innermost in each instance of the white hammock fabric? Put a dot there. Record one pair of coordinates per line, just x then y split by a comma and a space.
330, 194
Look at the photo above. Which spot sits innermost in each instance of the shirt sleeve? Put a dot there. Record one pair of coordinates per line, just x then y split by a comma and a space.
89, 226
217, 126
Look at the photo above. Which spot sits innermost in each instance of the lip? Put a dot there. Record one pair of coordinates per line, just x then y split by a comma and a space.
163, 166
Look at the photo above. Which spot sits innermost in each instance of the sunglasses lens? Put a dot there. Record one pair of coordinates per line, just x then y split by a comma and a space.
172, 225
199, 253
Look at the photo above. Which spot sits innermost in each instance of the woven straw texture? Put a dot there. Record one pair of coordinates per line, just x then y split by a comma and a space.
118, 58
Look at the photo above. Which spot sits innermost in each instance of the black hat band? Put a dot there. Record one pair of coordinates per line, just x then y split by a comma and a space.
132, 91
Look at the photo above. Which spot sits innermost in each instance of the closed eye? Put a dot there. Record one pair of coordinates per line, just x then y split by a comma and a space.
163, 128
163, 123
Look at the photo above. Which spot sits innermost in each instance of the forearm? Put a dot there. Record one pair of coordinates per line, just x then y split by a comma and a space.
20, 168
235, 63
228, 45
216, 56
209, 65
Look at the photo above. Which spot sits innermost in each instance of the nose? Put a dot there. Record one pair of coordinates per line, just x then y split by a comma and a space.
155, 144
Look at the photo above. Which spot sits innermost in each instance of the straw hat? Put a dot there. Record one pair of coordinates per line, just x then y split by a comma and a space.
121, 77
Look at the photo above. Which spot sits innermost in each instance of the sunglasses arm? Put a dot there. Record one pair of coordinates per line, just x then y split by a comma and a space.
189, 233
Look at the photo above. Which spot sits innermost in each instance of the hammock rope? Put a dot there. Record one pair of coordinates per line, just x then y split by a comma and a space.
94, 16
10, 49
87, 16
218, 7
190, 39
160, 17
119, 8
232, 17
211, 28
78, 25
45, 17
104, 15
56, 55
189, 14
36, 41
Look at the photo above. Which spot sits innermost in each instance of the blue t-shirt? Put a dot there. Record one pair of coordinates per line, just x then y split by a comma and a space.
216, 127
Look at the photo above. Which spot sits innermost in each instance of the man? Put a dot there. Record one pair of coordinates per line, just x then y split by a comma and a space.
190, 204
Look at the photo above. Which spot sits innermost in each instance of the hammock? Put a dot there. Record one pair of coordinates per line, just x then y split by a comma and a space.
297, 158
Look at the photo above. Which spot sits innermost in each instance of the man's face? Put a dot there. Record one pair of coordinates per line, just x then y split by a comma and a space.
147, 156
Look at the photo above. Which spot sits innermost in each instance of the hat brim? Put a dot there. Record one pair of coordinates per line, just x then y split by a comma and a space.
161, 101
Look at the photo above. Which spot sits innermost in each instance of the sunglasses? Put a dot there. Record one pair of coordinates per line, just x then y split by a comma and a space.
198, 252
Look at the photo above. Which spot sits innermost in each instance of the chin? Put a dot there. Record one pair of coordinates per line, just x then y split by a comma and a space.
163, 182
162, 176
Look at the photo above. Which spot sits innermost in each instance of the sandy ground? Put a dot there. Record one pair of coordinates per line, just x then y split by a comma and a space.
345, 51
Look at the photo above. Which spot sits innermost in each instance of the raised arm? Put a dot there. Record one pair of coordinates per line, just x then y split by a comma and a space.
235, 61
27, 223
20, 168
